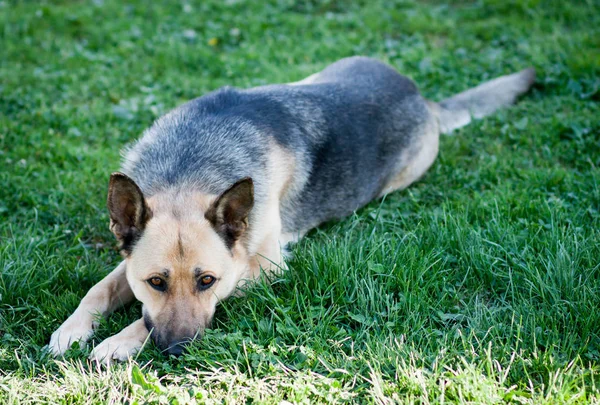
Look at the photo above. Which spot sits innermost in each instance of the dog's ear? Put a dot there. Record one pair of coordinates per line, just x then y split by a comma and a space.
229, 213
128, 211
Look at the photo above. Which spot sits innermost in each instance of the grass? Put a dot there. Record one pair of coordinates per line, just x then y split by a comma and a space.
479, 284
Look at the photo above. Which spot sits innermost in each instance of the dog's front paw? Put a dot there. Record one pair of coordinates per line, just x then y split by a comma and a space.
115, 348
77, 328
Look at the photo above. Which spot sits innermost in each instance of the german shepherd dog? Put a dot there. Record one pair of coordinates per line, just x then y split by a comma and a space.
214, 190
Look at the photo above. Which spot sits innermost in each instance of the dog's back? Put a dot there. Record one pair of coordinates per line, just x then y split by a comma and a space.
355, 130
345, 127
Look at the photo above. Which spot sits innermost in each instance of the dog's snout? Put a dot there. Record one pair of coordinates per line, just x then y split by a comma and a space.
174, 345
170, 336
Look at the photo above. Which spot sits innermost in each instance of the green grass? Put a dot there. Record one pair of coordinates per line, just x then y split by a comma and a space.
479, 284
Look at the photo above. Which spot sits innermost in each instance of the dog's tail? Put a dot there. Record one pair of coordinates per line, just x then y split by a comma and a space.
478, 102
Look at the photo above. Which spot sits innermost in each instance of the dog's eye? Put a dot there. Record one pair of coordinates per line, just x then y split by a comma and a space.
205, 282
157, 283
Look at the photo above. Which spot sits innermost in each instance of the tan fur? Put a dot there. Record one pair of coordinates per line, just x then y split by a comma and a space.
420, 158
265, 246
179, 244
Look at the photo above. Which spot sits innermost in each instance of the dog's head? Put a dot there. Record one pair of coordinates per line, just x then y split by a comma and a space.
182, 258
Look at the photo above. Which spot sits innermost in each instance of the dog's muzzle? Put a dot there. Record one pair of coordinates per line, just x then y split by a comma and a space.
166, 341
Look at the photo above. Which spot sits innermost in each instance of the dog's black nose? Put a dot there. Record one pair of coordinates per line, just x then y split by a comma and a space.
176, 348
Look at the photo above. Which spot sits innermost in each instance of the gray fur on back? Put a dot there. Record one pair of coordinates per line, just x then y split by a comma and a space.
346, 128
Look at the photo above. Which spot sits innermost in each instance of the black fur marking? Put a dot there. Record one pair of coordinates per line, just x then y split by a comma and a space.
129, 240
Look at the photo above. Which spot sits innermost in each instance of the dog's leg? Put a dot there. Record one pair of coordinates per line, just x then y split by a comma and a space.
122, 345
419, 163
269, 257
106, 296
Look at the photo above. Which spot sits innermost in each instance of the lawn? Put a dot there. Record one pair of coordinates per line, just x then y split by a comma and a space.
480, 284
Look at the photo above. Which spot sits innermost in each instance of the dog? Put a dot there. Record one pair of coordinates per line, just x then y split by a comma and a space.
210, 195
